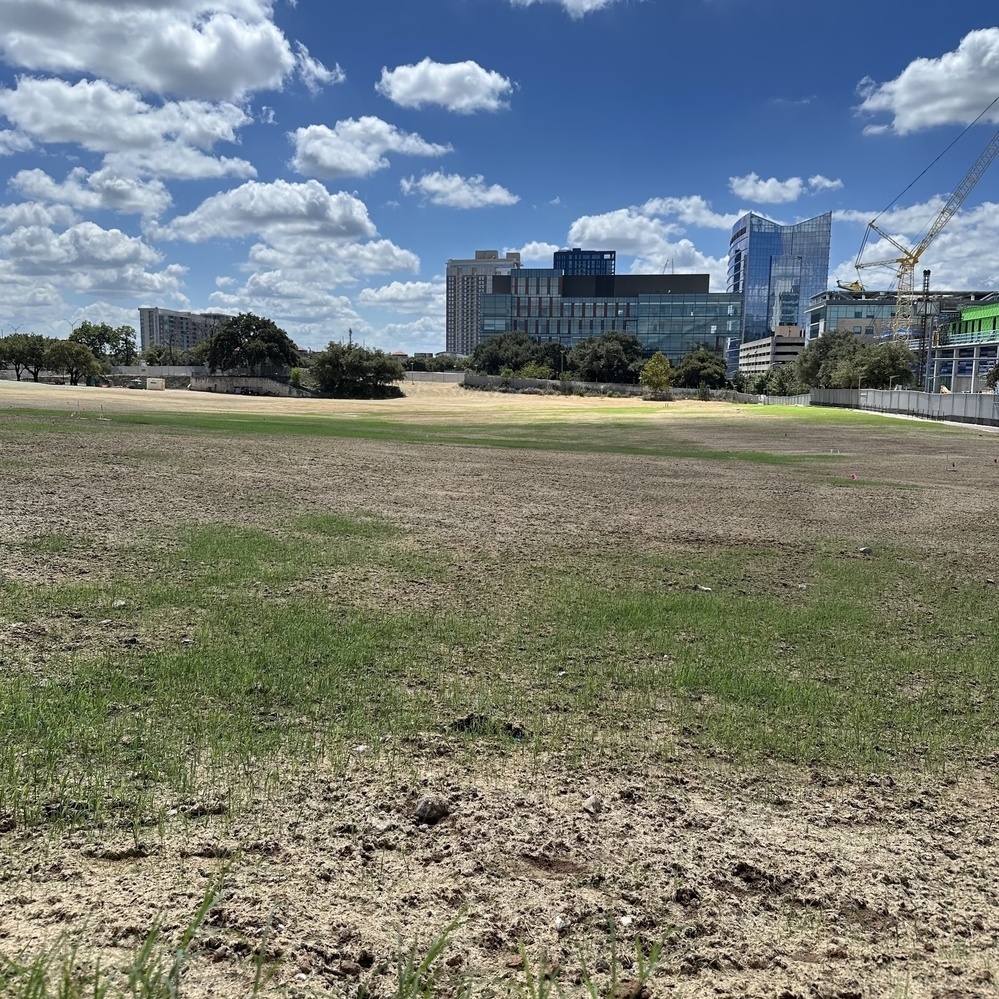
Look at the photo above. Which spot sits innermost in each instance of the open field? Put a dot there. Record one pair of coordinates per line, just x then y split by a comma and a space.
637, 651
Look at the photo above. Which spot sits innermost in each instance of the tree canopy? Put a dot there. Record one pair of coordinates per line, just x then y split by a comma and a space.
107, 344
24, 352
70, 357
700, 366
348, 370
250, 342
841, 359
611, 357
657, 373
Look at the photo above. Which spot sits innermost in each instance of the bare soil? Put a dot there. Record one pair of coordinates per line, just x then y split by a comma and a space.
777, 883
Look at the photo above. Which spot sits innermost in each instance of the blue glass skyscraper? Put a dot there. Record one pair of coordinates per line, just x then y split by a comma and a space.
777, 269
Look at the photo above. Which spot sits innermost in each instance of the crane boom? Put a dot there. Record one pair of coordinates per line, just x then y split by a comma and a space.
908, 259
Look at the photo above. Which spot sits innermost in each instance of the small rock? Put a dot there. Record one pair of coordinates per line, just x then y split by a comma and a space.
702, 589
989, 581
864, 550
626, 921
430, 809
631, 988
561, 924
514, 961
362, 748
601, 965
118, 604
594, 804
455, 961
350, 968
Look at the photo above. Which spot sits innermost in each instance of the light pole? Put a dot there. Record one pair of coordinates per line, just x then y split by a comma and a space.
892, 378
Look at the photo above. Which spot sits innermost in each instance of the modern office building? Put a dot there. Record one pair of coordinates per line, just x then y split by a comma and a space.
466, 282
667, 312
967, 351
178, 330
777, 269
577, 262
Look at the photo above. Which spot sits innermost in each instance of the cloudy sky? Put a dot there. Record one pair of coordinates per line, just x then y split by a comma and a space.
317, 161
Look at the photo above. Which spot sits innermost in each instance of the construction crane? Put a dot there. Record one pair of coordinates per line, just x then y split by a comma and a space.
908, 258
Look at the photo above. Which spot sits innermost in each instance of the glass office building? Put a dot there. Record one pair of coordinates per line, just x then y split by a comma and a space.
577, 261
777, 269
671, 313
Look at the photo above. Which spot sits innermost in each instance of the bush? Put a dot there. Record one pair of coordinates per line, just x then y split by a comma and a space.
703, 392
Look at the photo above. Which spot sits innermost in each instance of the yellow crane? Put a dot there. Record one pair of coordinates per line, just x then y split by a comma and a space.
908, 258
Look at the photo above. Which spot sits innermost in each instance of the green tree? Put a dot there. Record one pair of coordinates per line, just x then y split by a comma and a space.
992, 378
701, 365
887, 364
72, 358
657, 373
834, 360
347, 370
508, 350
610, 357
108, 344
535, 370
25, 352
250, 342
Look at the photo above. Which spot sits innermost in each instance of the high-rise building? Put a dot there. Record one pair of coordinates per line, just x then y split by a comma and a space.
671, 313
576, 261
467, 282
178, 330
777, 269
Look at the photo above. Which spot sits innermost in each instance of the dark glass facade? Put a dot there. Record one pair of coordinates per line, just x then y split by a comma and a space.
669, 321
777, 269
577, 261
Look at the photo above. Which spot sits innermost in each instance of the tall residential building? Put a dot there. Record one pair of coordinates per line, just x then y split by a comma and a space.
671, 313
777, 269
467, 282
576, 261
177, 330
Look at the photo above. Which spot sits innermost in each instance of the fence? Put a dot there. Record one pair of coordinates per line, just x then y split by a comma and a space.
457, 377
981, 408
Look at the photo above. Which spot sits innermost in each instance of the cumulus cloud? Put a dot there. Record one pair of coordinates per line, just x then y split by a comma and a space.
650, 240
458, 86
313, 73
170, 140
103, 189
574, 8
91, 260
13, 142
772, 191
276, 209
535, 252
355, 147
454, 191
953, 88
213, 49
405, 296
691, 210
31, 213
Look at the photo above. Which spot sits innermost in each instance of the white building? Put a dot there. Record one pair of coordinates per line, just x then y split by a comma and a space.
178, 330
758, 357
467, 282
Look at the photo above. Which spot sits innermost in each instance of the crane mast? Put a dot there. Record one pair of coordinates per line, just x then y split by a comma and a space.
908, 258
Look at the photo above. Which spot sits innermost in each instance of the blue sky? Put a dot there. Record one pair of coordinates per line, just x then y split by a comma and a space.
317, 162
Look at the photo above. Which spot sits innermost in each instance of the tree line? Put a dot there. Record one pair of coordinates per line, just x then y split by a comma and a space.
89, 352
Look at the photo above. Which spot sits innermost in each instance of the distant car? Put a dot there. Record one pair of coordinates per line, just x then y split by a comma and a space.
137, 383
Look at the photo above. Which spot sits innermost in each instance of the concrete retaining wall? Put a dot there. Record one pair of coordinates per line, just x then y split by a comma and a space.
246, 385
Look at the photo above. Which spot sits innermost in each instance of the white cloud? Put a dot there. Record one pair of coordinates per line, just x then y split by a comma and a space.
691, 210
961, 257
535, 252
214, 49
574, 8
454, 191
31, 213
405, 296
458, 86
314, 74
274, 210
103, 189
632, 232
354, 147
820, 183
774, 192
12, 142
953, 88
171, 140
87, 258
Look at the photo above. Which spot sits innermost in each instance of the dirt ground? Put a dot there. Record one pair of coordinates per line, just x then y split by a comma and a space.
776, 883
